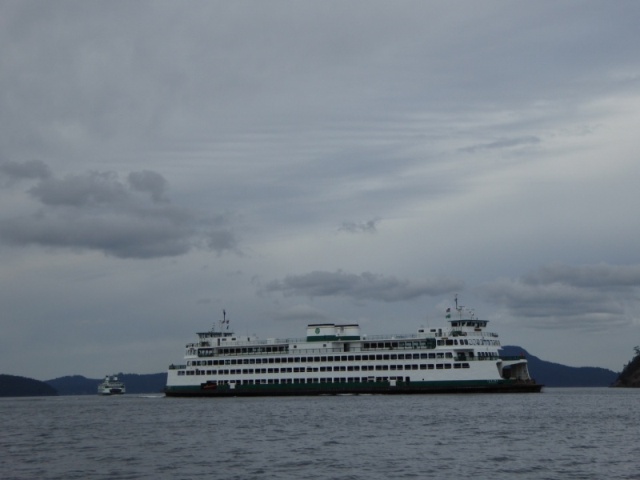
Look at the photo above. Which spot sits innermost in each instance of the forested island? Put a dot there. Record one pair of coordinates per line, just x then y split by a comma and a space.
630, 375
13, 386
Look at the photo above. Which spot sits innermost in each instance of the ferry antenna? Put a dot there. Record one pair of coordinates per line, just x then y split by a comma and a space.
459, 308
221, 322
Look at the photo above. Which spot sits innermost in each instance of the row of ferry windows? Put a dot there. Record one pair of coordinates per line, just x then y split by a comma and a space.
336, 358
429, 343
349, 368
471, 341
277, 381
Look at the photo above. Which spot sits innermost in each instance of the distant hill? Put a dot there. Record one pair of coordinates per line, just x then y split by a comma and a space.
557, 375
134, 383
12, 386
75, 385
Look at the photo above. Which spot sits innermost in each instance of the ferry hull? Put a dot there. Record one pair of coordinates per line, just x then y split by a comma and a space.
113, 391
368, 388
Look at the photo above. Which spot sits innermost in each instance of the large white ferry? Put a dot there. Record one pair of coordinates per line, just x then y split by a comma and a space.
111, 386
338, 359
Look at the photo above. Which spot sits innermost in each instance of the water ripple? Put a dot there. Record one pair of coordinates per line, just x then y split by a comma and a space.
561, 433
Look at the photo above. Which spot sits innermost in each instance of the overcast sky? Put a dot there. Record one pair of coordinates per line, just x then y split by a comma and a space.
295, 162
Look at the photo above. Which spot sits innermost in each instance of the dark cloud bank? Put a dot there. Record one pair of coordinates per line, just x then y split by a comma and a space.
131, 218
592, 297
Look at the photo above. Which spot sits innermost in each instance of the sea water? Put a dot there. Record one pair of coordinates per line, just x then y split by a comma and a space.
557, 434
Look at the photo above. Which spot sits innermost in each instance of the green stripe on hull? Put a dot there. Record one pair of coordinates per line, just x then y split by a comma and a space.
470, 386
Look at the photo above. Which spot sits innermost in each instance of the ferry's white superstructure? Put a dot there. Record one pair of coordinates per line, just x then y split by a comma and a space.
332, 359
111, 386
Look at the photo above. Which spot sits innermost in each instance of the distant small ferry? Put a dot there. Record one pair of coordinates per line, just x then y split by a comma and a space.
111, 386
338, 359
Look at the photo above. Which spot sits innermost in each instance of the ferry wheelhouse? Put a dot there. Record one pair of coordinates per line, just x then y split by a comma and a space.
338, 359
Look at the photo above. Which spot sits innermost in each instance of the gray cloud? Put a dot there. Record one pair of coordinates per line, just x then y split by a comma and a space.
366, 286
504, 143
31, 169
364, 227
96, 211
567, 297
91, 189
222, 240
118, 234
586, 276
151, 182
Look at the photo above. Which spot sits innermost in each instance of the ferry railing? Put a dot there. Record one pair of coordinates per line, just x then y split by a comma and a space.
363, 338
214, 351
211, 352
367, 361
305, 351
325, 351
